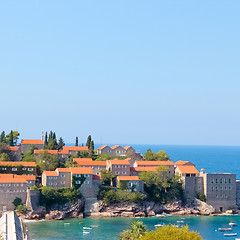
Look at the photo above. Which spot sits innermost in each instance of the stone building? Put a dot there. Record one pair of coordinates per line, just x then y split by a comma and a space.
132, 183
14, 186
169, 165
26, 144
19, 168
73, 150
119, 167
238, 193
220, 190
96, 166
192, 182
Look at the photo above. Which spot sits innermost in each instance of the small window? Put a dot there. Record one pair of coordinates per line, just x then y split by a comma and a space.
216, 180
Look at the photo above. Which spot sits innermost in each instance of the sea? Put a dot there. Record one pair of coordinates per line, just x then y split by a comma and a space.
214, 159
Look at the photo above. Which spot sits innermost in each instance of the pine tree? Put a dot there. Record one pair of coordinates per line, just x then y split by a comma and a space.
11, 138
60, 143
2, 137
89, 139
76, 142
46, 141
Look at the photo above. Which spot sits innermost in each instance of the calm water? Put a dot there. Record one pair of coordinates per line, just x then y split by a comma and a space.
109, 228
212, 158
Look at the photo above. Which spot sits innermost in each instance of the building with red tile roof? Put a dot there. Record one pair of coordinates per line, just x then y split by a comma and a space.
131, 183
119, 167
18, 168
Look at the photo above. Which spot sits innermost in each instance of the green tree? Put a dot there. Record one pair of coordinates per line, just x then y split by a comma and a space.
47, 161
201, 197
89, 139
12, 138
60, 143
76, 142
22, 209
4, 157
46, 141
17, 201
2, 137
52, 141
138, 229
91, 148
107, 177
29, 155
160, 156
171, 233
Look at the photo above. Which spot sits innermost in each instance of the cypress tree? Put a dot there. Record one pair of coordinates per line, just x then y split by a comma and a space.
89, 139
60, 143
91, 148
2, 137
46, 141
11, 138
76, 142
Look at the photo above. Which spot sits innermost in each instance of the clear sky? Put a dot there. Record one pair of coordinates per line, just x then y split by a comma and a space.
124, 71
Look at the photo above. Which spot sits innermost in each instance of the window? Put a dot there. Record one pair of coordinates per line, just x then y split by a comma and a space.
229, 180
4, 168
216, 188
62, 182
63, 175
199, 180
225, 180
216, 180
24, 169
14, 169
212, 181
230, 188
55, 184
220, 180
30, 169
212, 188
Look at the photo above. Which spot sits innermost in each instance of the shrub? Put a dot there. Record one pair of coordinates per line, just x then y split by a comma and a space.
22, 209
17, 201
201, 197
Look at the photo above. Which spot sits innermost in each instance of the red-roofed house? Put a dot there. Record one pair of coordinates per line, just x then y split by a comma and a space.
130, 183
169, 165
104, 149
12, 186
73, 150
27, 143
96, 166
19, 168
119, 167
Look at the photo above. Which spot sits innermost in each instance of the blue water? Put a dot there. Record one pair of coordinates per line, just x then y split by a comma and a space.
109, 228
214, 159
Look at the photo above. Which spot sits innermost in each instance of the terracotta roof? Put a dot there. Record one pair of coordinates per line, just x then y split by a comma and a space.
13, 148
115, 146
128, 178
31, 141
103, 146
51, 173
188, 169
96, 177
181, 163
46, 150
63, 169
127, 147
11, 178
119, 162
86, 162
25, 164
154, 163
81, 170
75, 148
147, 169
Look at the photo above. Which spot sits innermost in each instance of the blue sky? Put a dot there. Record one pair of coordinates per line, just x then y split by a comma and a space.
149, 72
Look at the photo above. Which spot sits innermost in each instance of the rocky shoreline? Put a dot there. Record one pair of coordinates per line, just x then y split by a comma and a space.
147, 209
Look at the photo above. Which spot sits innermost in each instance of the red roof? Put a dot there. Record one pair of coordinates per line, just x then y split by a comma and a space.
25, 164
103, 146
75, 148
89, 162
46, 150
127, 147
81, 170
128, 178
32, 141
51, 173
115, 146
154, 163
13, 148
181, 163
119, 162
188, 169
147, 169
11, 178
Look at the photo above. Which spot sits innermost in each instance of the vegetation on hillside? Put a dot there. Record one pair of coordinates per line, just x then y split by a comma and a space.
137, 230
159, 156
161, 188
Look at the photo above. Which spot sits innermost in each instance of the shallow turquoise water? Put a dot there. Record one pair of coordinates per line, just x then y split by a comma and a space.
109, 228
